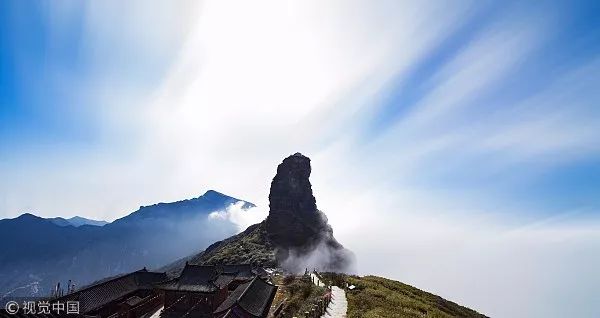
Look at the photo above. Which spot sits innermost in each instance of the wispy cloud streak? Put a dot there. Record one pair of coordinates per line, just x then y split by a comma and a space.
459, 137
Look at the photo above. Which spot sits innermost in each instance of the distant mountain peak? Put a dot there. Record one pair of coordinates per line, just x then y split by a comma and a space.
210, 201
216, 195
76, 221
28, 216
210, 193
79, 221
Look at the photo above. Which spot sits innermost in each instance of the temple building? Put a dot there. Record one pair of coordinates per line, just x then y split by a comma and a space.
200, 291
197, 292
213, 291
241, 273
249, 300
130, 295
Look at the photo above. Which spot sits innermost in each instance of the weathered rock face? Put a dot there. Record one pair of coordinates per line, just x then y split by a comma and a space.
295, 235
298, 230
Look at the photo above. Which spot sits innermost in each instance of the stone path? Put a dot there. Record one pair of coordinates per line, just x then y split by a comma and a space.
338, 307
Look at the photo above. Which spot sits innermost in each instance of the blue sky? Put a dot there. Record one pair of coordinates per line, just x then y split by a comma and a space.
470, 127
47, 50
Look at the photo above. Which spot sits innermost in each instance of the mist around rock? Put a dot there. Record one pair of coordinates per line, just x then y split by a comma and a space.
294, 236
300, 232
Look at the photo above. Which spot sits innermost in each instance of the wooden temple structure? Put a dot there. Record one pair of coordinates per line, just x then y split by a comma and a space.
128, 296
200, 291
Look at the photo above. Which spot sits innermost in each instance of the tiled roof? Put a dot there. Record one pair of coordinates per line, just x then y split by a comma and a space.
132, 301
241, 271
195, 278
233, 298
147, 280
224, 279
95, 296
258, 297
261, 272
254, 298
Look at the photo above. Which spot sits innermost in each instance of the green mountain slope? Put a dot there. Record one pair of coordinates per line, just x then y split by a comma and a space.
249, 247
381, 297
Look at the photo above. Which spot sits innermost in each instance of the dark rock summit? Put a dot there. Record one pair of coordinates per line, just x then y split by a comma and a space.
294, 220
298, 230
295, 235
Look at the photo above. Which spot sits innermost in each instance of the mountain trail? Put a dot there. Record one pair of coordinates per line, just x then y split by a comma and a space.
338, 307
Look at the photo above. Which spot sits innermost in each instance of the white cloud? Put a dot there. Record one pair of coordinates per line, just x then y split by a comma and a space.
476, 258
240, 216
253, 82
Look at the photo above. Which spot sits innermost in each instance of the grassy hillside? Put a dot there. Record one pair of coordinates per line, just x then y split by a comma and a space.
297, 294
376, 297
248, 247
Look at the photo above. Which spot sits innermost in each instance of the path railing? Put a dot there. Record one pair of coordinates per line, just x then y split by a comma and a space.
319, 307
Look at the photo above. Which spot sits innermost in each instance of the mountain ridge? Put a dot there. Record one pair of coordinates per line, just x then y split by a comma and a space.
77, 221
32, 246
211, 201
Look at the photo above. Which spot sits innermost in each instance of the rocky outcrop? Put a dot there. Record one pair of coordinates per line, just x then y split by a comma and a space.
295, 235
298, 230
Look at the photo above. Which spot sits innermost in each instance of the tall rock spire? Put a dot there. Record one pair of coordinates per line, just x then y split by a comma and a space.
298, 230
